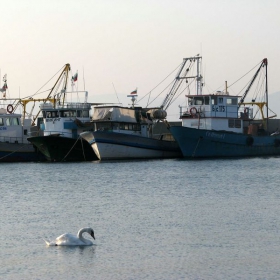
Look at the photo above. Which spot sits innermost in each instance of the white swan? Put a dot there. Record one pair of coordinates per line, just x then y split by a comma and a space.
68, 239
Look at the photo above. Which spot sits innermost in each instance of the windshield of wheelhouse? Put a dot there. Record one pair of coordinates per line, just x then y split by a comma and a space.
198, 100
66, 114
12, 121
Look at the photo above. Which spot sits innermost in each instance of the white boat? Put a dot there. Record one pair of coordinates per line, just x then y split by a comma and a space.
61, 125
128, 133
15, 128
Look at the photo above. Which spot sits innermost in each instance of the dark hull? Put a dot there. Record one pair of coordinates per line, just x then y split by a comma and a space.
200, 143
11, 152
57, 148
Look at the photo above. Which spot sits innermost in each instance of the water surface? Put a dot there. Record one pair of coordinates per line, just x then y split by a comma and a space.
156, 219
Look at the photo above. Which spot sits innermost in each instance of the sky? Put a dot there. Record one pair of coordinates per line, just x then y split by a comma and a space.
118, 46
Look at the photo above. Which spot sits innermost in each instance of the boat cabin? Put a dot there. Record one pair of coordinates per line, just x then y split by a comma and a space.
134, 120
62, 119
12, 130
214, 112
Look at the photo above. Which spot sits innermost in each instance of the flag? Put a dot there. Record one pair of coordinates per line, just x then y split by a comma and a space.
75, 77
3, 89
134, 92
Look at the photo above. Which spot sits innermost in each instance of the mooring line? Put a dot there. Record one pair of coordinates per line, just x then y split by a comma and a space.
71, 149
196, 146
83, 148
13, 151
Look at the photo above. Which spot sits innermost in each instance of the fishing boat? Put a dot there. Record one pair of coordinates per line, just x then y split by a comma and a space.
223, 125
128, 133
15, 127
14, 146
62, 122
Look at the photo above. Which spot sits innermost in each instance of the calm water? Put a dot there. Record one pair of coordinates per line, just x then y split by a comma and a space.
158, 219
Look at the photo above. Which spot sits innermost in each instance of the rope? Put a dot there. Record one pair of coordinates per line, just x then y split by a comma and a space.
83, 148
13, 152
196, 146
71, 149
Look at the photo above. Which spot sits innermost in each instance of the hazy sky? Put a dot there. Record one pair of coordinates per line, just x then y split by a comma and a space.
131, 44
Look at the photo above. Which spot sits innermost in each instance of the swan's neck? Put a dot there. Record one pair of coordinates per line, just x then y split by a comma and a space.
80, 235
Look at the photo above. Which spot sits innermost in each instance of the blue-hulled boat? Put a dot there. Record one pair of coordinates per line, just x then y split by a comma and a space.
222, 125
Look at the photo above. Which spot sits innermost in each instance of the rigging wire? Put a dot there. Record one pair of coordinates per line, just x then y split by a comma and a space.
244, 75
116, 92
160, 83
46, 83
161, 92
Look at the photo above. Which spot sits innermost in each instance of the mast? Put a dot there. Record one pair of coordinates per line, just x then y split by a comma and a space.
178, 80
266, 92
64, 74
199, 78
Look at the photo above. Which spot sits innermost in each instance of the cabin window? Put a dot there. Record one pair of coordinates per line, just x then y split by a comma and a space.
126, 126
51, 114
115, 126
14, 121
221, 100
191, 101
237, 123
1, 122
234, 123
214, 100
67, 114
103, 126
231, 101
206, 100
198, 101
136, 127
231, 123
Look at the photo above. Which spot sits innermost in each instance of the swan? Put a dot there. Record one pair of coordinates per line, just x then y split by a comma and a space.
68, 239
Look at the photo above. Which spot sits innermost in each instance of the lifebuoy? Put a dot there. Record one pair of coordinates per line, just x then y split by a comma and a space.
193, 111
10, 108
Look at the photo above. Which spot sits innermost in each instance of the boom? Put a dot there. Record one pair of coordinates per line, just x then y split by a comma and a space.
264, 63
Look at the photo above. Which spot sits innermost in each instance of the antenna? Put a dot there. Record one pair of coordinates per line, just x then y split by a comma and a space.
116, 92
84, 79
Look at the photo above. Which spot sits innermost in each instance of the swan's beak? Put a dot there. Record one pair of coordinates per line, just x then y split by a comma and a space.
92, 235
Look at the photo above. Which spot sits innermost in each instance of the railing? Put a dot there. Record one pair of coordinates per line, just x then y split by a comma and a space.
78, 105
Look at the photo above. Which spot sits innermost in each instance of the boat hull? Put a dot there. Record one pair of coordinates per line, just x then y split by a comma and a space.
200, 143
57, 148
110, 146
12, 152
